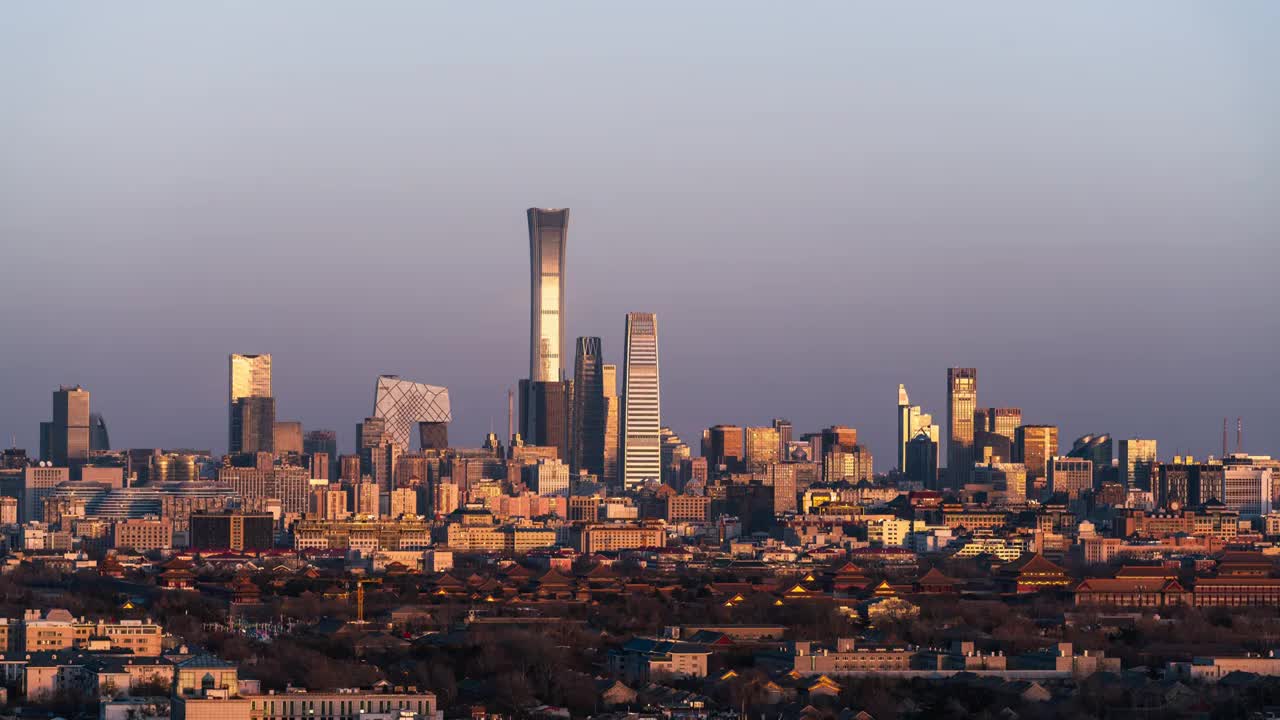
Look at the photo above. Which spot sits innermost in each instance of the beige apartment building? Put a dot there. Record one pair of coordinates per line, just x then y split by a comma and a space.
59, 630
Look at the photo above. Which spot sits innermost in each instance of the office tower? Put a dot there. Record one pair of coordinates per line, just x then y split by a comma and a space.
674, 452
1070, 476
548, 233
365, 499
404, 502
847, 464
641, 404
1000, 421
46, 441
993, 431
782, 477
329, 502
1137, 460
287, 437
762, 446
404, 405
921, 460
1247, 490
9, 511
32, 488
837, 437
248, 376
380, 463
784, 428
723, 447
1034, 446
98, 437
588, 420
433, 435
911, 421
69, 431
370, 433
325, 442
544, 414
253, 425
349, 468
319, 465
962, 401
612, 418
1097, 450
550, 478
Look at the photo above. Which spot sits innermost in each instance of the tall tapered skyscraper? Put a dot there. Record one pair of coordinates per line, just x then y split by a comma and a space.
587, 433
548, 231
641, 409
249, 376
962, 400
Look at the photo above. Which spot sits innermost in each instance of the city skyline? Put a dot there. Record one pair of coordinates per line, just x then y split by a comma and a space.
144, 261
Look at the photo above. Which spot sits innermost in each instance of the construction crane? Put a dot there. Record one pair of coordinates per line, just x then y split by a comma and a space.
360, 583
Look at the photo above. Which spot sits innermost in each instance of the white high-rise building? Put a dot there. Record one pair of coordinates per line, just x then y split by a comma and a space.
641, 411
1247, 490
548, 231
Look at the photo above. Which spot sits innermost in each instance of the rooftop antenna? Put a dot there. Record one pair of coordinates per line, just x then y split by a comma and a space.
1224, 437
1239, 435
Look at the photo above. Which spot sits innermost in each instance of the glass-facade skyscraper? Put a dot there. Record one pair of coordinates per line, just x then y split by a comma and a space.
612, 420
641, 408
548, 232
248, 376
962, 401
587, 433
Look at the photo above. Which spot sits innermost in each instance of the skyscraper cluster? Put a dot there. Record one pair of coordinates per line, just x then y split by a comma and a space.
615, 440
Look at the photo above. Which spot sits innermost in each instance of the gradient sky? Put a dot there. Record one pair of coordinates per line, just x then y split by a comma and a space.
819, 200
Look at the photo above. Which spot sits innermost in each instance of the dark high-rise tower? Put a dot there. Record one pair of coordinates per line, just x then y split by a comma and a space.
544, 414
588, 416
98, 438
69, 432
253, 425
962, 401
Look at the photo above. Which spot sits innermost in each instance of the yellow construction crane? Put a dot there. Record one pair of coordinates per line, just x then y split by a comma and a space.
360, 583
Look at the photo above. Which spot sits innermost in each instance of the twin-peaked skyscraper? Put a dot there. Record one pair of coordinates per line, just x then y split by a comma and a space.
581, 417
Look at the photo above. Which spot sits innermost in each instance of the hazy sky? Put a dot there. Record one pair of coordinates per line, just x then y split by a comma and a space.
819, 200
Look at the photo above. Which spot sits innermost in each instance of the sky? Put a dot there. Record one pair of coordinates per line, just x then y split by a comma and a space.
819, 201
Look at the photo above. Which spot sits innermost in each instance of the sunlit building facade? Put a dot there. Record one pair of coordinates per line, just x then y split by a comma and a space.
405, 405
641, 408
962, 401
